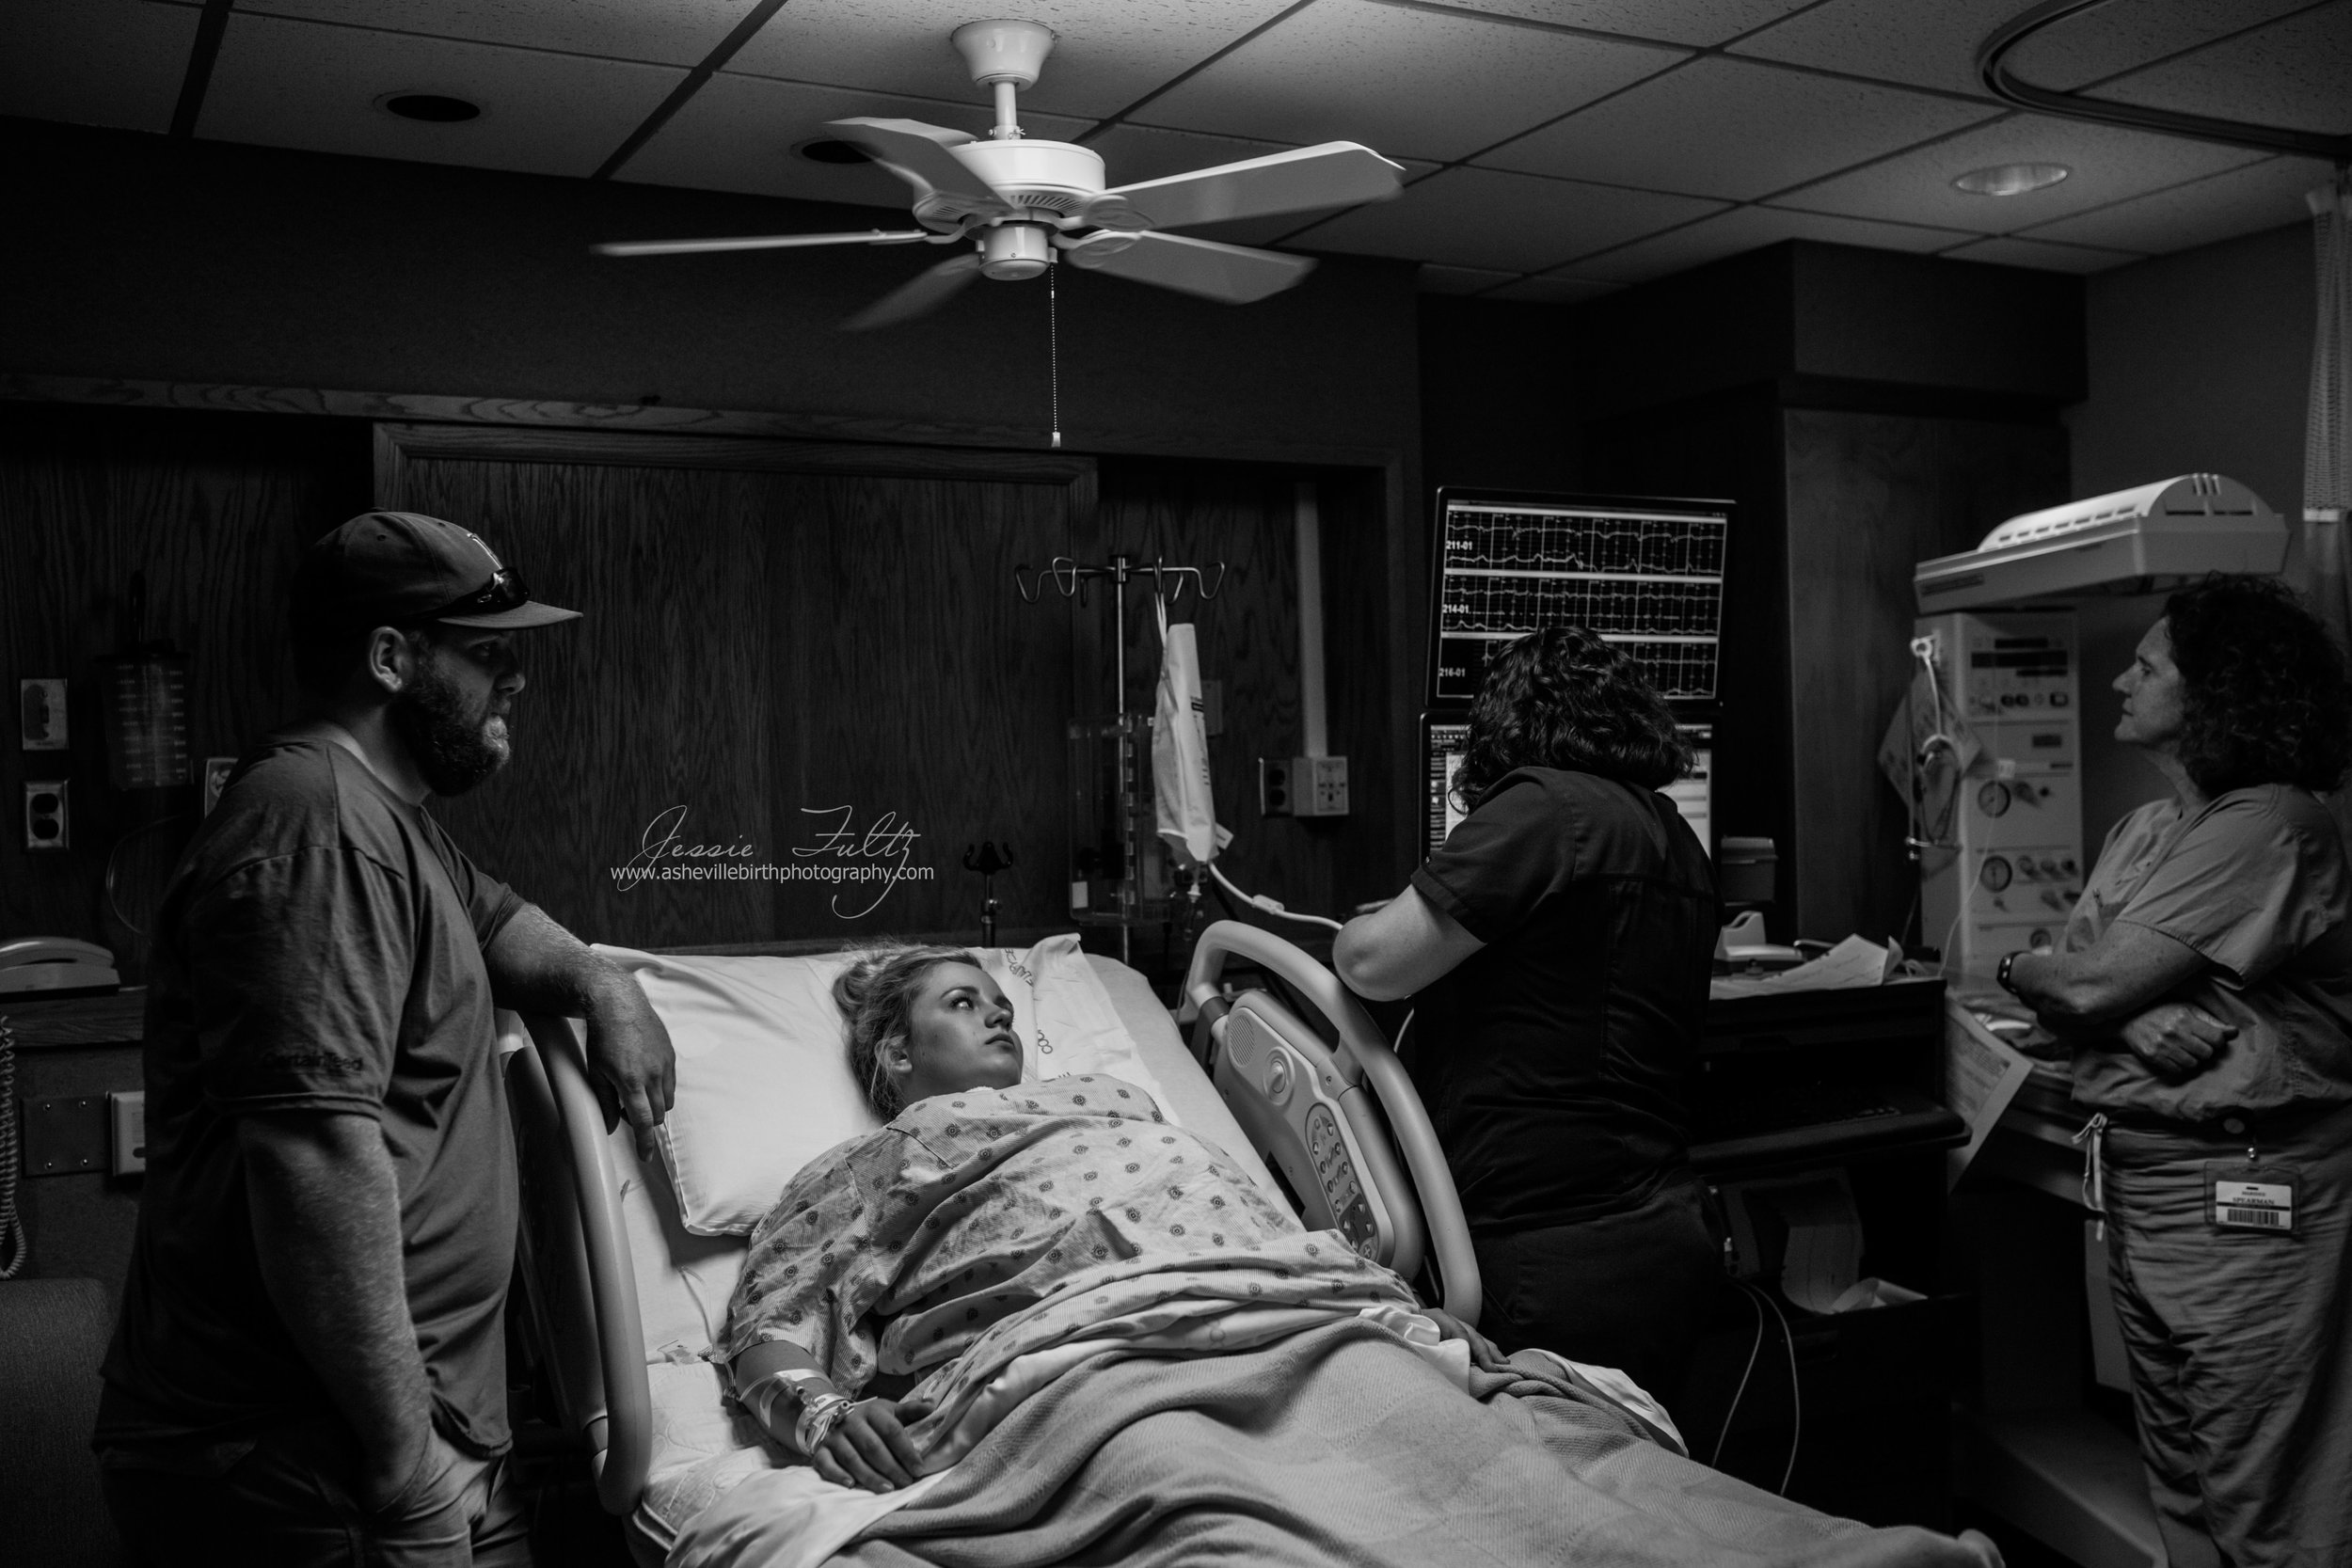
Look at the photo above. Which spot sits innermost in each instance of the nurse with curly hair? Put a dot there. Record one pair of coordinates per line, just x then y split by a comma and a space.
2204, 982
1558, 948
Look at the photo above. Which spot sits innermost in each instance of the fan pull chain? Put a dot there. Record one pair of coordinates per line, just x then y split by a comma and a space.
1053, 350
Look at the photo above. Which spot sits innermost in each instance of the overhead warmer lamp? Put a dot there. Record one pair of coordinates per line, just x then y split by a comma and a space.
2143, 540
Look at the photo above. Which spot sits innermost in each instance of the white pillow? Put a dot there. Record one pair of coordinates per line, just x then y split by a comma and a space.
763, 1072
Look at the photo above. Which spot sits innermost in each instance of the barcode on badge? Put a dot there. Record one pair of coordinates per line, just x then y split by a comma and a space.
2270, 1217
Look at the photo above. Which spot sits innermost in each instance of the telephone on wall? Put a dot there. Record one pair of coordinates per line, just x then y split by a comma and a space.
55, 967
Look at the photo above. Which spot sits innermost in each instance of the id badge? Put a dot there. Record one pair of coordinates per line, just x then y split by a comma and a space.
2240, 1196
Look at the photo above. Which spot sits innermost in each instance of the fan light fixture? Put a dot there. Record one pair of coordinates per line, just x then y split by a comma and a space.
1014, 203
2012, 179
432, 107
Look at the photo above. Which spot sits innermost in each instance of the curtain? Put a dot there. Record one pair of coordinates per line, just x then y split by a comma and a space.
2327, 428
2326, 572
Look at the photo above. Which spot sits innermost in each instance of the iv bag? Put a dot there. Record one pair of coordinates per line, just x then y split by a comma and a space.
1182, 803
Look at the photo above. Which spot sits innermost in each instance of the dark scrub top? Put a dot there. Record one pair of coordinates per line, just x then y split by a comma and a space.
1553, 1060
319, 949
2256, 882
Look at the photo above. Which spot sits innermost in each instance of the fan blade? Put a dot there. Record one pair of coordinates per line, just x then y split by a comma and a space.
1231, 273
759, 242
918, 155
1335, 174
927, 291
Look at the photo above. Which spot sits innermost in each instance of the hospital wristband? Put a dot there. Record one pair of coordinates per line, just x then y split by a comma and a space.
760, 1398
819, 1417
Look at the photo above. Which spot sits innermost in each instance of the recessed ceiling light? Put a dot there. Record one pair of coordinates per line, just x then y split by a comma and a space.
827, 150
432, 107
2012, 179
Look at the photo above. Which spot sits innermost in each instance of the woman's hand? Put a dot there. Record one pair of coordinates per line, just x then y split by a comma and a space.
2176, 1039
868, 1448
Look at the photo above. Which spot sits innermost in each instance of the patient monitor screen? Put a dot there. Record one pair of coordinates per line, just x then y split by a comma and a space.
1645, 575
1443, 740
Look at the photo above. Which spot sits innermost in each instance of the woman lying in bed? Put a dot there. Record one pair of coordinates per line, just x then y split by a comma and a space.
1125, 1348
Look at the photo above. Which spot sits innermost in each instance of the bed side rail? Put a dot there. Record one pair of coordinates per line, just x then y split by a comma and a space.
579, 1258
1376, 1065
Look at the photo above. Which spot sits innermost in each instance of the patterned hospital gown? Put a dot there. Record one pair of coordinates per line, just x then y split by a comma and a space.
979, 1227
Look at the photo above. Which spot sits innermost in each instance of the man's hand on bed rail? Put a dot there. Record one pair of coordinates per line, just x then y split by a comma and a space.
536, 966
869, 1448
629, 1049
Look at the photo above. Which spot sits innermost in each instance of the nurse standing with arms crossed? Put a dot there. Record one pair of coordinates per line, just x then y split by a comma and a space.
2206, 984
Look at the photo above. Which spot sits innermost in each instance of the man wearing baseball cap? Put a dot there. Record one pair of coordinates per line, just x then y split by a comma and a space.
311, 1358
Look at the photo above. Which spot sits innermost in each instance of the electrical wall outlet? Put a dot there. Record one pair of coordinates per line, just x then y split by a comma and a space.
47, 823
126, 1122
1274, 787
1319, 786
40, 715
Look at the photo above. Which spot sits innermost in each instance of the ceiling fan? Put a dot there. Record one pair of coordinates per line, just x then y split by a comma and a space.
1017, 202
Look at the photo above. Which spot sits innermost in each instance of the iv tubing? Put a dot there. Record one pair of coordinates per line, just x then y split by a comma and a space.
1269, 906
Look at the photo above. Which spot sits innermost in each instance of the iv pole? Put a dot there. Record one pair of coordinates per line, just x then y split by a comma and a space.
1070, 578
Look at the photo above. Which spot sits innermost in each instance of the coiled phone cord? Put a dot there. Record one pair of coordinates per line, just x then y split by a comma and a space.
12, 1249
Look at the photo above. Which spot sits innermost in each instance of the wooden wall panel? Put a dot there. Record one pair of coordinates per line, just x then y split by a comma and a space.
915, 688
1870, 495
658, 698
215, 509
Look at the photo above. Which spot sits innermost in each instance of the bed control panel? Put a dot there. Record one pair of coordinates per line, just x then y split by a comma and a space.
1284, 1086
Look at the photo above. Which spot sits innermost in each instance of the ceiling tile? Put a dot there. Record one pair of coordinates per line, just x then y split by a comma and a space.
1478, 217
1406, 83
1107, 53
2297, 73
1745, 228
297, 84
1139, 152
1729, 128
2041, 256
94, 62
1934, 45
2108, 165
1672, 20
738, 132
2268, 195
1460, 280
668, 32
1554, 291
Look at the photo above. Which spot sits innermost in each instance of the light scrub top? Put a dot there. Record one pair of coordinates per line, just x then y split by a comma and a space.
2256, 882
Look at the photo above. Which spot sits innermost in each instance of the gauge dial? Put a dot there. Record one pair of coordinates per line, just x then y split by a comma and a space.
1993, 799
1996, 872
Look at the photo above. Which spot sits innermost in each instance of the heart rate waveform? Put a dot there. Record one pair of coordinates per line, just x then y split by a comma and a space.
1651, 582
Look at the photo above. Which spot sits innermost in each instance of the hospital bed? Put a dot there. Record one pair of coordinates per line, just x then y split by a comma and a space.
620, 1294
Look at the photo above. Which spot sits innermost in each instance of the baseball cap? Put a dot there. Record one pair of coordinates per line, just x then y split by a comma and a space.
387, 568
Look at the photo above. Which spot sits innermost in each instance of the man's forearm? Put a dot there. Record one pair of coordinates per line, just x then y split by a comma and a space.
326, 1208
536, 966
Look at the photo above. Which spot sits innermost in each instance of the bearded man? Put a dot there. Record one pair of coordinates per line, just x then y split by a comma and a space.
310, 1365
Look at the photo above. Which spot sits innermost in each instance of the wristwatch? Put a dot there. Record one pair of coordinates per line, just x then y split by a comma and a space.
2000, 974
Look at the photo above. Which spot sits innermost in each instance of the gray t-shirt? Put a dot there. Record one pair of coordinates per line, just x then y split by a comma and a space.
2256, 883
319, 949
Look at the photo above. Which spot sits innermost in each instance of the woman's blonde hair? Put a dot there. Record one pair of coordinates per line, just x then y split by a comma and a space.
876, 994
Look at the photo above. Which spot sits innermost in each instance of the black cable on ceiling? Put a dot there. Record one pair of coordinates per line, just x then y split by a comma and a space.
1991, 57
209, 28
